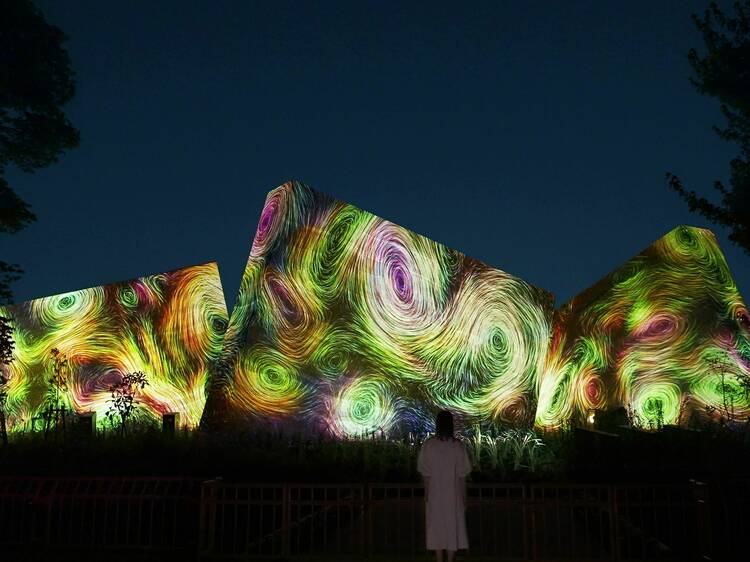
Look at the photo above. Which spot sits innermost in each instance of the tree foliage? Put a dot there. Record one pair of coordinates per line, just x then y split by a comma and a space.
58, 381
8, 273
36, 81
723, 72
7, 345
6, 341
124, 397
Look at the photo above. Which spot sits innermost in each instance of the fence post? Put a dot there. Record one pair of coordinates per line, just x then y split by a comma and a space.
525, 521
38, 517
285, 519
363, 526
368, 520
46, 504
207, 524
614, 523
530, 523
701, 495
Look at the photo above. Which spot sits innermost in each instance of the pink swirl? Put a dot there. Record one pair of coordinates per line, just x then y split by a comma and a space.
271, 220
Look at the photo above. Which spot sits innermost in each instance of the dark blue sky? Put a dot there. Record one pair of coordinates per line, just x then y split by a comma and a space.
532, 136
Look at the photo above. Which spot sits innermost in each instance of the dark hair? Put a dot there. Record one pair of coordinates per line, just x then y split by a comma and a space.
444, 425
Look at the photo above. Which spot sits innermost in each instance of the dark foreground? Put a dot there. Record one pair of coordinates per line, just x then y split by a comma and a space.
193, 519
572, 495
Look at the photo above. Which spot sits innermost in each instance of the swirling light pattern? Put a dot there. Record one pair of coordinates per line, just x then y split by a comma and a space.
365, 405
170, 326
350, 324
665, 336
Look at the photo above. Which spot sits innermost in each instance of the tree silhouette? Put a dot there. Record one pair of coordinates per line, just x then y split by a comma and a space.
124, 397
6, 356
57, 390
724, 73
36, 80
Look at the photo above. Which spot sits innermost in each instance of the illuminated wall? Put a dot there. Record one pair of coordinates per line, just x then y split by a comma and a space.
350, 324
170, 326
650, 336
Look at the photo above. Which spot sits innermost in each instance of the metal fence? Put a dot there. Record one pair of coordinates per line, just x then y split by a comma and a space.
222, 520
730, 518
239, 520
99, 513
504, 521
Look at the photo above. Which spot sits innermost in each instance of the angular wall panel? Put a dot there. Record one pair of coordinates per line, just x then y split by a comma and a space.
170, 326
349, 324
652, 337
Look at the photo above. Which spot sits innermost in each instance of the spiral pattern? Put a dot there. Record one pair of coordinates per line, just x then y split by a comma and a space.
333, 356
169, 326
74, 310
290, 311
650, 334
320, 255
268, 383
271, 221
362, 407
199, 330
375, 327
489, 346
349, 323
402, 281
283, 208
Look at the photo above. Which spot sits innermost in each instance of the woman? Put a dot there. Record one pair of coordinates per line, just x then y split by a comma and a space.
444, 464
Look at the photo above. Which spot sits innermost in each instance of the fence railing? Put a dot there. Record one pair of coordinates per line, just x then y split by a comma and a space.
220, 520
99, 513
504, 521
729, 519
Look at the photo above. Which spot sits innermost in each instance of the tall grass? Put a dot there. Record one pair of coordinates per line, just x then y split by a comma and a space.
510, 450
265, 456
497, 454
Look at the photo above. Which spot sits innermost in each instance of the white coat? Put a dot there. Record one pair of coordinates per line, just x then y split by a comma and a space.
444, 463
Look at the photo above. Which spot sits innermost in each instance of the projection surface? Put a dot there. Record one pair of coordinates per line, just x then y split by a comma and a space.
665, 336
170, 326
349, 324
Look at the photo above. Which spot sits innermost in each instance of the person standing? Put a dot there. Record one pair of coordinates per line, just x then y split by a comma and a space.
444, 465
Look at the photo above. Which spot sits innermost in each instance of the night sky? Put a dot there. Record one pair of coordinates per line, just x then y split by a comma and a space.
532, 137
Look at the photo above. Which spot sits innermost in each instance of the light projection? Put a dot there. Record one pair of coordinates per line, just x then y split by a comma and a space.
665, 337
169, 326
352, 325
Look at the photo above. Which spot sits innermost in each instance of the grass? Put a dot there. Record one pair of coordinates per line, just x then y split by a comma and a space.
498, 454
